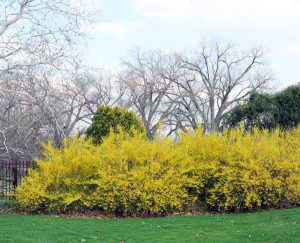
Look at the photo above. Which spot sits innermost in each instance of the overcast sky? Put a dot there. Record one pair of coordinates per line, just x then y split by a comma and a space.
175, 25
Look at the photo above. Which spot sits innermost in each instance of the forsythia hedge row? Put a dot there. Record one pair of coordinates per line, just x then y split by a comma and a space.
236, 170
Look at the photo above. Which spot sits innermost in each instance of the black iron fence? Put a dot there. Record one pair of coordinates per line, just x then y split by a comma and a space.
11, 173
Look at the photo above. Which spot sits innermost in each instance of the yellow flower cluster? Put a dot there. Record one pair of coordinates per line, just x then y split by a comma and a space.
235, 170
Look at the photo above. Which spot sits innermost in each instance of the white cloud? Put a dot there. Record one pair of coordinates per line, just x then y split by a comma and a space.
117, 29
235, 14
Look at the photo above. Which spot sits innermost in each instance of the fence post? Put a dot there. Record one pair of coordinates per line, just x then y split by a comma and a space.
15, 176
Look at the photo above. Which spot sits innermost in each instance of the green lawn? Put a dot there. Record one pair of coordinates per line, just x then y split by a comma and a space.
274, 226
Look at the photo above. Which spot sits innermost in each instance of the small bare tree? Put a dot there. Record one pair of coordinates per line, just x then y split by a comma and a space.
149, 77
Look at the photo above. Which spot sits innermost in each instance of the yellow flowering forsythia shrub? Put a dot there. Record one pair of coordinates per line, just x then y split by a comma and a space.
236, 170
243, 170
124, 175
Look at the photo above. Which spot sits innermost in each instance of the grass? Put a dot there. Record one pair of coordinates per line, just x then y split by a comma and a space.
272, 226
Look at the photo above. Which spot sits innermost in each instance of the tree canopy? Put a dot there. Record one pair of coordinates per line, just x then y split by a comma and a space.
281, 110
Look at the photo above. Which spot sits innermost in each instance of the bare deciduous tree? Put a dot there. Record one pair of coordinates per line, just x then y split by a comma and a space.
36, 39
149, 78
216, 77
38, 105
38, 32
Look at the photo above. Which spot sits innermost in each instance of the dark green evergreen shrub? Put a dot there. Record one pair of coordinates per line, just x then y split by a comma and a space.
107, 118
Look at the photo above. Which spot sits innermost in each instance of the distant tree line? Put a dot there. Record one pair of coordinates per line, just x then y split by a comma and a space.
47, 93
